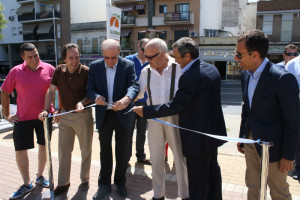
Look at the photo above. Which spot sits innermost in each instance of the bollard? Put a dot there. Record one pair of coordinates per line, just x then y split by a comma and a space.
49, 158
264, 170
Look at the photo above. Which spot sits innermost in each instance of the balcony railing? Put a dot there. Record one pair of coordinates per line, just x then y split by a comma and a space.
45, 36
26, 17
30, 37
177, 16
127, 45
44, 15
22, 0
128, 20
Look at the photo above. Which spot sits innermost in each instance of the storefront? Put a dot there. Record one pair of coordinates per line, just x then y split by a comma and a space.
223, 58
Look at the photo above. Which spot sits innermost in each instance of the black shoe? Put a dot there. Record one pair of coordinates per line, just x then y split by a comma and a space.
296, 174
145, 161
84, 186
122, 191
61, 189
161, 198
102, 192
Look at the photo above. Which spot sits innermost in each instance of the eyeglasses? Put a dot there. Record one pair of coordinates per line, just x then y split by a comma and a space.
239, 55
291, 54
112, 58
151, 57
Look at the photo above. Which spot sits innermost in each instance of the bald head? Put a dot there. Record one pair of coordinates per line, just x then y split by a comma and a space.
109, 44
111, 51
158, 44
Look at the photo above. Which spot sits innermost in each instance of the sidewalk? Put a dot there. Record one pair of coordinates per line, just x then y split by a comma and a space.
138, 176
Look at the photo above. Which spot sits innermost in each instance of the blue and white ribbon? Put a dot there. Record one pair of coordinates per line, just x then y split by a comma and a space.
70, 111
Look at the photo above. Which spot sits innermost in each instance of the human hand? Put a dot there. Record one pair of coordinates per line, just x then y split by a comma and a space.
79, 107
121, 104
240, 148
43, 115
100, 100
138, 110
12, 119
285, 165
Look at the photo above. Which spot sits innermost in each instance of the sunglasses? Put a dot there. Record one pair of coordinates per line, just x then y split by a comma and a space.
239, 55
291, 54
151, 57
112, 58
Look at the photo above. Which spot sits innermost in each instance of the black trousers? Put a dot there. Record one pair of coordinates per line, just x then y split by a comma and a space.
205, 182
110, 124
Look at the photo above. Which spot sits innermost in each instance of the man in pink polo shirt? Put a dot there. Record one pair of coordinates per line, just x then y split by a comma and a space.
31, 80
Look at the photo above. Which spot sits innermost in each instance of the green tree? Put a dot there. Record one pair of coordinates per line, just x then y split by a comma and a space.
2, 20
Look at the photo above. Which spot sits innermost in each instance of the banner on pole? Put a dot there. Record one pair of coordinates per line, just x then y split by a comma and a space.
113, 23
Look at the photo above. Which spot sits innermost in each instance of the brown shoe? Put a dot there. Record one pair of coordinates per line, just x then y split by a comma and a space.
61, 189
84, 186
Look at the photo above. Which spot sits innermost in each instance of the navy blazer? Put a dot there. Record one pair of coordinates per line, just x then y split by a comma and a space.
124, 85
198, 103
274, 115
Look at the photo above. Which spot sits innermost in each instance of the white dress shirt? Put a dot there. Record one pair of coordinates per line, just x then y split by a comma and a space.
110, 78
293, 66
159, 84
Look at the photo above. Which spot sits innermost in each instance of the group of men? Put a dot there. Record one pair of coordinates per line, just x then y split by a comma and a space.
184, 91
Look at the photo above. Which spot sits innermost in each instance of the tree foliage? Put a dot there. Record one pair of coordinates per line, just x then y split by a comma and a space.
2, 20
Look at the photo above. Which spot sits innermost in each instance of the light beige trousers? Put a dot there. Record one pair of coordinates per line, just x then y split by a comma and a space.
279, 188
81, 125
158, 135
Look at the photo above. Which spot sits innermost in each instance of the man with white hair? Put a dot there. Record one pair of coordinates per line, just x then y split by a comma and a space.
112, 86
160, 80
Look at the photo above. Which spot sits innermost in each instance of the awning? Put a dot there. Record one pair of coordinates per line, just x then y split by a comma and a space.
127, 7
125, 32
151, 30
140, 7
177, 28
44, 28
28, 29
25, 8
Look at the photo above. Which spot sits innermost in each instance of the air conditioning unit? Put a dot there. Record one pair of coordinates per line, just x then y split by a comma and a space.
11, 18
194, 34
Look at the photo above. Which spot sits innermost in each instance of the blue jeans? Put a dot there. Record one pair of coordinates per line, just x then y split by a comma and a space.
141, 127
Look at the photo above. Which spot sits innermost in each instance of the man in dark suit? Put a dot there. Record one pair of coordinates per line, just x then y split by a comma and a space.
270, 112
112, 85
197, 101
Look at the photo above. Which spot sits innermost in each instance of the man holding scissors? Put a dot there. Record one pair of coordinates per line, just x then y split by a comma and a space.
112, 80
71, 79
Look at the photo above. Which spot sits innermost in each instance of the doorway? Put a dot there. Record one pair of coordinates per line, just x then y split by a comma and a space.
221, 66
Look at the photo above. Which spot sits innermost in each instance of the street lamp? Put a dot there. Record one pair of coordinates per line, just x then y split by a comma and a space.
53, 17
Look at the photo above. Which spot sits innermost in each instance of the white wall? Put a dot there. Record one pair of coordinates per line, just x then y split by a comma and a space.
10, 8
210, 15
87, 11
250, 17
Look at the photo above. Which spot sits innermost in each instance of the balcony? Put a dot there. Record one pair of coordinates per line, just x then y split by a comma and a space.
23, 1
178, 17
45, 15
128, 20
125, 45
26, 17
30, 37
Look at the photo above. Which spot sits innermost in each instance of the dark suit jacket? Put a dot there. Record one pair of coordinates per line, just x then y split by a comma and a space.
124, 85
275, 114
197, 101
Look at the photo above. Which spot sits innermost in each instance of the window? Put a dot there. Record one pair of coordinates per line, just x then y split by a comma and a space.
268, 24
211, 33
95, 45
20, 30
80, 44
50, 49
162, 8
184, 10
286, 27
141, 35
58, 31
14, 30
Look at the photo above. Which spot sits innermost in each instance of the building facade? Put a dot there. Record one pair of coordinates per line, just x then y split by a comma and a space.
41, 22
280, 20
